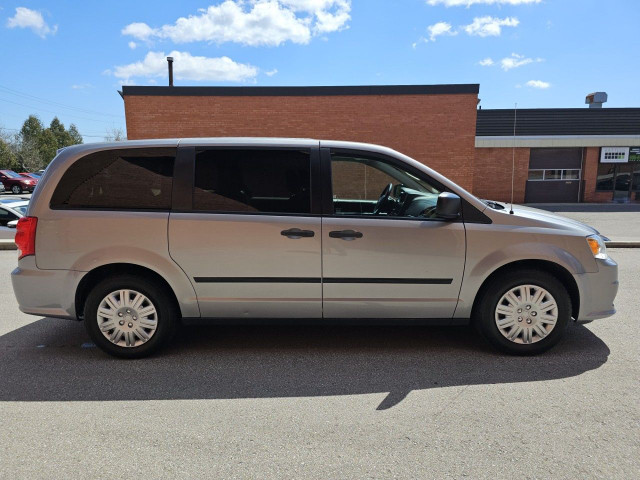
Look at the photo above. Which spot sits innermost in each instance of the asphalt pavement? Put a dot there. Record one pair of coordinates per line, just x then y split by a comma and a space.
320, 402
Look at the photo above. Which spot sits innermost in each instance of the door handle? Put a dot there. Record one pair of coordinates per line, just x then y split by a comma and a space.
295, 233
345, 234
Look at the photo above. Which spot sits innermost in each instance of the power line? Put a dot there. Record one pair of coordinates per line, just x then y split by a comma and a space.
58, 113
28, 96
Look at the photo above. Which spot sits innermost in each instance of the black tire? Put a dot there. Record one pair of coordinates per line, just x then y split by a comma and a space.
166, 310
16, 190
485, 312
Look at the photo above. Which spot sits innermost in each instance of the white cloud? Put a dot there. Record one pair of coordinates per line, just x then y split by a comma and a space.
252, 22
81, 86
26, 18
489, 26
468, 3
271, 73
187, 67
419, 41
132, 45
139, 30
487, 62
515, 61
538, 84
440, 28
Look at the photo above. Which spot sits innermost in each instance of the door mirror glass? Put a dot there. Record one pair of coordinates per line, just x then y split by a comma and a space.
449, 206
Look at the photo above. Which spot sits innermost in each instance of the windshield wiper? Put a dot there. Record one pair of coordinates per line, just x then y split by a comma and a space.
494, 205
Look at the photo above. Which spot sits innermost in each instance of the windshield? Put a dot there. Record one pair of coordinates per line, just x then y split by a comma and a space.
11, 174
22, 209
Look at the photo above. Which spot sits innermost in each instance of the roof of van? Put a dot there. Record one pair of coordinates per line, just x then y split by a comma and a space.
225, 141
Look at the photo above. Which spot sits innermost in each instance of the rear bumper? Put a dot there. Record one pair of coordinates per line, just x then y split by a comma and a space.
597, 291
46, 293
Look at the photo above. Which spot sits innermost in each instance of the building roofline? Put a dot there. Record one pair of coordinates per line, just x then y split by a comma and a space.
558, 122
448, 89
590, 111
534, 141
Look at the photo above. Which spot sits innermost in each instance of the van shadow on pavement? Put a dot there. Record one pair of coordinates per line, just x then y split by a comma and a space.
275, 361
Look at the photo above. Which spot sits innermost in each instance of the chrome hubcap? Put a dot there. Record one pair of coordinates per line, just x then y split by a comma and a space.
127, 318
526, 314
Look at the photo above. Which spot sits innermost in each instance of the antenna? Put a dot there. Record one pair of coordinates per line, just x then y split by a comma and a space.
513, 155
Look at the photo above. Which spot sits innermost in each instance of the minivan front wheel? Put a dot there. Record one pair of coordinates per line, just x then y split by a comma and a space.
524, 312
16, 189
128, 316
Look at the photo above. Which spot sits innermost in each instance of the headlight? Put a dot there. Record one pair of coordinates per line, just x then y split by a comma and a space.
598, 248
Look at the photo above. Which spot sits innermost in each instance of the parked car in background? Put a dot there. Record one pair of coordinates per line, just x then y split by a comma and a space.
31, 175
133, 237
2, 187
16, 183
11, 210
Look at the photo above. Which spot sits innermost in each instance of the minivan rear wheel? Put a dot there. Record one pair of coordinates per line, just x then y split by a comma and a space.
523, 312
129, 316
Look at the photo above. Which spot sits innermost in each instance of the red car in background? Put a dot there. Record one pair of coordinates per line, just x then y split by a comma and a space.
16, 182
32, 176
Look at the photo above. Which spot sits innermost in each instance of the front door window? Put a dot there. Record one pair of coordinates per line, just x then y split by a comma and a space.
374, 188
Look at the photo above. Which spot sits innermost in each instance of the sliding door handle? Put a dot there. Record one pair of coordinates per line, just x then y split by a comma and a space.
345, 234
295, 233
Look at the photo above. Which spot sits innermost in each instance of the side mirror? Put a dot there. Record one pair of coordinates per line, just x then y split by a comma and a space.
449, 206
12, 224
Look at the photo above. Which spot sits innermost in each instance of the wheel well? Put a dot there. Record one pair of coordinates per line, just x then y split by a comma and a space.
554, 269
96, 275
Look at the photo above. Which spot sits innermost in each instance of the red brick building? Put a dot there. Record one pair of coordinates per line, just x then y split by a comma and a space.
559, 154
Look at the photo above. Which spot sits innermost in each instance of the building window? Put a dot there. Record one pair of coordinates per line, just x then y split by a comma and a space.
571, 174
606, 175
553, 174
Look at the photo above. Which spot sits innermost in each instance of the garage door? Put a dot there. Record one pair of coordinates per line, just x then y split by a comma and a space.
554, 175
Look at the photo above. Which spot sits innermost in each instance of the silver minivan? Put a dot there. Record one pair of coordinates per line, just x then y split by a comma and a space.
136, 237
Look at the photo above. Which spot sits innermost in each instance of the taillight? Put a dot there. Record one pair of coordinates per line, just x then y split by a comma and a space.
26, 236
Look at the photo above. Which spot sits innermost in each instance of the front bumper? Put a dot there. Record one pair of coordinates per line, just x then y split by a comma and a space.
597, 291
46, 293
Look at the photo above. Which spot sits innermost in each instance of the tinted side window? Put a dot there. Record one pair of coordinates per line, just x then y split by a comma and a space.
121, 179
267, 181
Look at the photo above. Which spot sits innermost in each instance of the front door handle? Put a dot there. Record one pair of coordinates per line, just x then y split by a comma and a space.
295, 233
345, 234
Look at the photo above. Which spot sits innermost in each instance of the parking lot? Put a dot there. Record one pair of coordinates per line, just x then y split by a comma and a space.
320, 402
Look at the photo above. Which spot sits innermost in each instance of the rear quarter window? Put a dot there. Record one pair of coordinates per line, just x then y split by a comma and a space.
139, 178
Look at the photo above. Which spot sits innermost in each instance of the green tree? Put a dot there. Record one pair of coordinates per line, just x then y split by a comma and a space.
47, 146
74, 135
8, 158
31, 129
63, 139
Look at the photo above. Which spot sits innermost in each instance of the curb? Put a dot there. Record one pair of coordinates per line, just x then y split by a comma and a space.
7, 244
